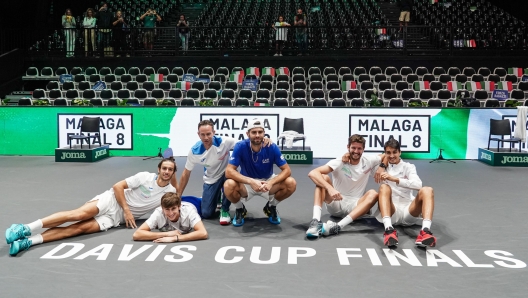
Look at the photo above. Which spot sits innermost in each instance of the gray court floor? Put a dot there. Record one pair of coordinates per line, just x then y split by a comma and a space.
479, 220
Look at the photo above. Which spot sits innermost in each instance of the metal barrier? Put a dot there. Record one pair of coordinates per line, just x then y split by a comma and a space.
243, 40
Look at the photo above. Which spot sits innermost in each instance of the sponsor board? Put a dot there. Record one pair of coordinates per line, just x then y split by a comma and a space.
298, 157
81, 155
344, 256
503, 159
115, 129
235, 125
412, 131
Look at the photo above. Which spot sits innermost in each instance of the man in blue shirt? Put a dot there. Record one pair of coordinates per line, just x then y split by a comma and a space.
256, 176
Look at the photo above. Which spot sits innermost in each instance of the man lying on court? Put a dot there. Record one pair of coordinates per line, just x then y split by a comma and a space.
397, 204
125, 202
256, 176
176, 221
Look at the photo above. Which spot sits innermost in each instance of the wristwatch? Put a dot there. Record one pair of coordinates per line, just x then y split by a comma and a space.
383, 165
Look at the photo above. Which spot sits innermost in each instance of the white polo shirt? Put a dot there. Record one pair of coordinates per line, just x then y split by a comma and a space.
188, 219
214, 160
402, 193
351, 180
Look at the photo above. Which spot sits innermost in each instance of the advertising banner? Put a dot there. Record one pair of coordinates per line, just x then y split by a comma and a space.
141, 131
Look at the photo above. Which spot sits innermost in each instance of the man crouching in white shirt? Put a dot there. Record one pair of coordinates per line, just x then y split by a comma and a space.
176, 221
397, 204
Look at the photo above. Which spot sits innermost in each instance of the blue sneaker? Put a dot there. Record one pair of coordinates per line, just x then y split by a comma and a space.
272, 214
238, 220
315, 229
19, 245
16, 232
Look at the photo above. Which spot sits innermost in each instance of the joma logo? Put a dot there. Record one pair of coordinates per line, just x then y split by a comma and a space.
514, 159
485, 156
69, 155
100, 153
295, 156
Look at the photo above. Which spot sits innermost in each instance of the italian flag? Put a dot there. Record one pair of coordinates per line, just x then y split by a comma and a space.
261, 104
236, 77
253, 71
381, 31
434, 1
516, 71
454, 86
156, 77
488, 86
269, 71
347, 85
473, 86
283, 71
526, 71
421, 85
503, 85
183, 85
470, 43
241, 71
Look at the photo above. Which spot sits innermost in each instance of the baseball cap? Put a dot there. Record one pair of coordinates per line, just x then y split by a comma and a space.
255, 123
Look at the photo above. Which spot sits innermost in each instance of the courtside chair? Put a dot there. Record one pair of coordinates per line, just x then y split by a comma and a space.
357, 102
125, 78
468, 71
119, 71
298, 71
296, 125
437, 71
164, 71
391, 70
89, 125
502, 128
343, 71
25, 102
76, 70
178, 71
453, 71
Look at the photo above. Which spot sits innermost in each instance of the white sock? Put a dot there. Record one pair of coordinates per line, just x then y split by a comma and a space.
273, 201
37, 224
345, 221
426, 223
238, 204
387, 222
36, 239
317, 212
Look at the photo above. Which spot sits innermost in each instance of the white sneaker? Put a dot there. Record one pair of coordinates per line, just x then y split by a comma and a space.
331, 228
225, 218
280, 54
276, 55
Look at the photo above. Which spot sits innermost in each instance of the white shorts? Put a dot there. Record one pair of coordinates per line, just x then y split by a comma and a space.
402, 217
343, 207
110, 213
252, 193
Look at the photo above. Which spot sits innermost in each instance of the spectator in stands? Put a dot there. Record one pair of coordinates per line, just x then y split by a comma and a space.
184, 33
89, 23
281, 35
300, 32
104, 24
69, 24
405, 12
149, 19
119, 30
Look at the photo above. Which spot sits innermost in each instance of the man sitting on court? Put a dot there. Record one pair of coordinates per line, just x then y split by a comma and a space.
256, 176
397, 204
176, 221
211, 152
344, 194
125, 202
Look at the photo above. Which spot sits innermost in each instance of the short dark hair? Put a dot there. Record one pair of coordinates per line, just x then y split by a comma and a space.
355, 138
169, 159
392, 143
205, 122
170, 199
